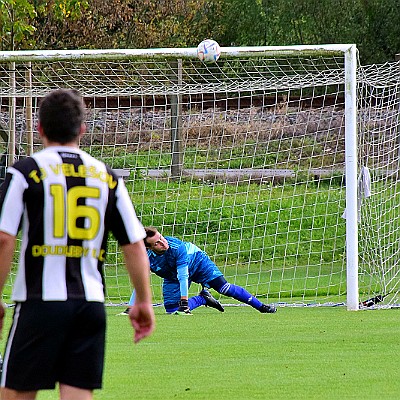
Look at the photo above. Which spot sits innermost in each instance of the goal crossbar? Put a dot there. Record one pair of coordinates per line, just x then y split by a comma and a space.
115, 54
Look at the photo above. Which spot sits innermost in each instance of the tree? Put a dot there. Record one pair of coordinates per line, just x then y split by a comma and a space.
180, 23
70, 24
371, 24
244, 23
22, 21
381, 39
96, 24
15, 21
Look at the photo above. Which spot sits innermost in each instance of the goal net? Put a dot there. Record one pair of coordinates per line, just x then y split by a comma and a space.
244, 157
379, 190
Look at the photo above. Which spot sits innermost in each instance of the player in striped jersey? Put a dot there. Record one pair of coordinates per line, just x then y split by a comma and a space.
180, 263
67, 202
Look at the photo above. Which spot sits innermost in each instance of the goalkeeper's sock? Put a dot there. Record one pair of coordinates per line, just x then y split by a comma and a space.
196, 301
238, 293
193, 302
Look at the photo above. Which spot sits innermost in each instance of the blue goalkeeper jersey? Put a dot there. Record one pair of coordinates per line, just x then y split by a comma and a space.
181, 258
183, 262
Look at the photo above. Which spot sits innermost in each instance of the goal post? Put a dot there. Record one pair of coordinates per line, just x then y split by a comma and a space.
351, 177
253, 158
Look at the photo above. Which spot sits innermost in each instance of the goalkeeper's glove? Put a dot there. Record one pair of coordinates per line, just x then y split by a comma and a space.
183, 308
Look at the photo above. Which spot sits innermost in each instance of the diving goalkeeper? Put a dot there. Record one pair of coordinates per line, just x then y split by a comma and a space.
180, 263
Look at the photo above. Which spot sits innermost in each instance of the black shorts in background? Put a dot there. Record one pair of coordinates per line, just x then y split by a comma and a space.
55, 341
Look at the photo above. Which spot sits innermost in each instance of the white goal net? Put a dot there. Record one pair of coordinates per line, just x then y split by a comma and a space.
379, 191
244, 157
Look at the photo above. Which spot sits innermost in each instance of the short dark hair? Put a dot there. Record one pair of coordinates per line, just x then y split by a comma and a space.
61, 115
150, 232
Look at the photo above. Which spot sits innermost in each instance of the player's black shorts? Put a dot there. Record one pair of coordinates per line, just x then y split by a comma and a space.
55, 341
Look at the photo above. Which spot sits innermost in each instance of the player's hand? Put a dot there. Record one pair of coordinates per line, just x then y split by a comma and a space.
183, 307
142, 319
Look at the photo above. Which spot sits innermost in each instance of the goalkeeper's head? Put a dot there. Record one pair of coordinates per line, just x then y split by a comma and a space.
61, 116
155, 241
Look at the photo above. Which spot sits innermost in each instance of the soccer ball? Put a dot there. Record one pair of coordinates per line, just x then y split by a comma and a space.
208, 50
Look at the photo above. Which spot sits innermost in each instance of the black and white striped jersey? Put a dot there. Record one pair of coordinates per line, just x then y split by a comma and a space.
67, 202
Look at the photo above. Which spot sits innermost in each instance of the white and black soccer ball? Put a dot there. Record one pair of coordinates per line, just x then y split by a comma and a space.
208, 50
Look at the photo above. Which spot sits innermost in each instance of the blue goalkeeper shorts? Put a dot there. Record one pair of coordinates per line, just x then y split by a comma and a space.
204, 273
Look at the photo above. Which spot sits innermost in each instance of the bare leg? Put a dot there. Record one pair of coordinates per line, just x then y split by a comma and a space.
10, 394
73, 393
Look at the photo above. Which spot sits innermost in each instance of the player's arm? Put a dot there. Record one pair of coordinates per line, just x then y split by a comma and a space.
11, 210
7, 245
182, 267
129, 233
141, 313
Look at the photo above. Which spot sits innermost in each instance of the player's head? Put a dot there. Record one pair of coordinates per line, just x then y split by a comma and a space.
155, 241
61, 116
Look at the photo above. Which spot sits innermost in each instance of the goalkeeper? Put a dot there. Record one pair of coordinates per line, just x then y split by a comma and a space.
180, 263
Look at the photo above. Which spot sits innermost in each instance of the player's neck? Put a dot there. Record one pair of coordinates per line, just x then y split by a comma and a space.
54, 144
160, 252
48, 143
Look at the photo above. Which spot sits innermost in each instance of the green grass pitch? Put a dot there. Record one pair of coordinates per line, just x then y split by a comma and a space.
297, 353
